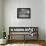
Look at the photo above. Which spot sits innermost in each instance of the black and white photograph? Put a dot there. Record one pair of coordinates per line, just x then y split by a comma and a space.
23, 12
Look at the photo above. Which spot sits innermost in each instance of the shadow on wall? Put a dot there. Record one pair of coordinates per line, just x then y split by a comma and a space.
1, 34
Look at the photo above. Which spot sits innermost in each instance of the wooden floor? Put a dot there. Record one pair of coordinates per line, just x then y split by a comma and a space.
40, 42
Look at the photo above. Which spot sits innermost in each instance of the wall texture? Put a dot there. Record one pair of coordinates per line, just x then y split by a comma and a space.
0, 18
45, 19
37, 15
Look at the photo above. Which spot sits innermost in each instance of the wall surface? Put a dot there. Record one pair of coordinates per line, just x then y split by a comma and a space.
37, 15
0, 18
45, 19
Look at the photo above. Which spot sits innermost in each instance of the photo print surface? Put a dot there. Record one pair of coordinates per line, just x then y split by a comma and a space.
23, 12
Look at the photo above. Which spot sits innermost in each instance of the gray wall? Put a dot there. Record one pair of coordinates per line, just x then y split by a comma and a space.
45, 19
37, 15
0, 18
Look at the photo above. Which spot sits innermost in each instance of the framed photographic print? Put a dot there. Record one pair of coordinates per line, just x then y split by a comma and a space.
23, 12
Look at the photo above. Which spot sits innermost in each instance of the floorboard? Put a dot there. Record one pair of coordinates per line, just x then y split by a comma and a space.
25, 43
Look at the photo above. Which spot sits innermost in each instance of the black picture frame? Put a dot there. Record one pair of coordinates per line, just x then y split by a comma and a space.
23, 13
